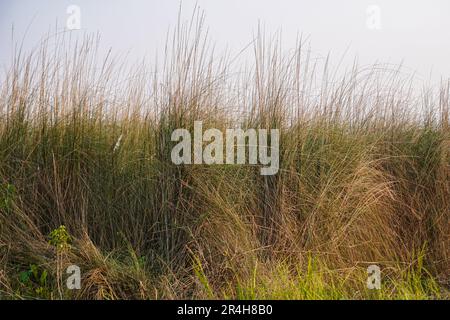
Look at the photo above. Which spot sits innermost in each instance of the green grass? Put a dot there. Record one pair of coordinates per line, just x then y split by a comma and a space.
364, 179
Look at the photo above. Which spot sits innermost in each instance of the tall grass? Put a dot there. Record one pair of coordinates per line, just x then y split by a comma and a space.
85, 142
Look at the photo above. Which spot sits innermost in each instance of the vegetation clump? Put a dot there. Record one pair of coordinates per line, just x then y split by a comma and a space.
363, 179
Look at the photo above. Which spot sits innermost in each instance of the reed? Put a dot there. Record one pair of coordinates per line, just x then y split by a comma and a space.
85, 142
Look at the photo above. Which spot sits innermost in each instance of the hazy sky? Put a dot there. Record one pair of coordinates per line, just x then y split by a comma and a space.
413, 31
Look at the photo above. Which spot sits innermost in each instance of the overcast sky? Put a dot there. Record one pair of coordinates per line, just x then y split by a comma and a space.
413, 31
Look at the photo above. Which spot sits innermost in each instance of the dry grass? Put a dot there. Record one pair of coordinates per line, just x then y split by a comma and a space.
364, 177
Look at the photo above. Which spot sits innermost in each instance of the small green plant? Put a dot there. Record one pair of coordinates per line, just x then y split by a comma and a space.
35, 281
60, 238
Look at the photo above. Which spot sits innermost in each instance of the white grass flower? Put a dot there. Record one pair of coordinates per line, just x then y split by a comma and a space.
117, 145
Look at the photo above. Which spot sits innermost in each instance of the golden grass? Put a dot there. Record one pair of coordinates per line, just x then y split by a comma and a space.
364, 178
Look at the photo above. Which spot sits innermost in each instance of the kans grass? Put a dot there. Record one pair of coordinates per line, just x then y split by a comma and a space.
86, 177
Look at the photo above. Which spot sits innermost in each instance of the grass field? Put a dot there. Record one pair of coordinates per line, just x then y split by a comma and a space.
86, 177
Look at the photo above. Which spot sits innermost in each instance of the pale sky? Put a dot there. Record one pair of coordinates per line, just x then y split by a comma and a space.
415, 32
